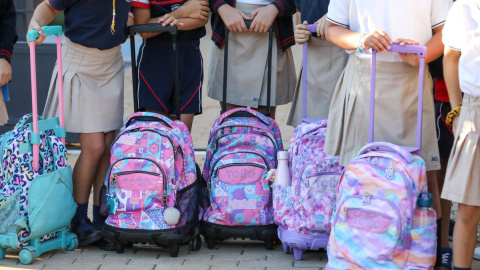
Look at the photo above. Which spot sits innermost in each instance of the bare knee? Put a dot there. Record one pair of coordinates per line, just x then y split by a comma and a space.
92, 146
468, 214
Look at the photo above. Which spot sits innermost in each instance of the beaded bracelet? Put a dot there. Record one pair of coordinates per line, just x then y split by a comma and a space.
360, 47
452, 114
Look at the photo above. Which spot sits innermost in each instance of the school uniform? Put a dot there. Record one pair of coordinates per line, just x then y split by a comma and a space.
461, 33
396, 82
247, 65
156, 67
93, 70
8, 37
326, 63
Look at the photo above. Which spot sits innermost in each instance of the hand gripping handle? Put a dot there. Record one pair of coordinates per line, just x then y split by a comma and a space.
35, 136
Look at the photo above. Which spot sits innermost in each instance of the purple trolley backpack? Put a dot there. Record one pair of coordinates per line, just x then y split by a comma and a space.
242, 149
303, 209
372, 226
152, 190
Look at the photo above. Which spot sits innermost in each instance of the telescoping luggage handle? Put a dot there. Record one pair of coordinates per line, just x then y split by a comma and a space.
155, 28
421, 51
45, 124
269, 69
313, 29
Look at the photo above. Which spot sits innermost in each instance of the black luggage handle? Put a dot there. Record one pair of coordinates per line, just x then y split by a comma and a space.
154, 28
269, 68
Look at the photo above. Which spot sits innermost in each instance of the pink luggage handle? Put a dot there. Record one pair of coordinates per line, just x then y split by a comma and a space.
313, 29
35, 136
421, 51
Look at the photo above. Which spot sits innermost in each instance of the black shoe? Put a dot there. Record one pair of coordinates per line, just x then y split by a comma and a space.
86, 236
106, 245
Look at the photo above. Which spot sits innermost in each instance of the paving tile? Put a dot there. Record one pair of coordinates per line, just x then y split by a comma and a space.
146, 266
265, 263
78, 266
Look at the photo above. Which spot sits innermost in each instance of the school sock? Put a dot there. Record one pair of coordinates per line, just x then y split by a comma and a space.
81, 214
459, 268
98, 220
438, 262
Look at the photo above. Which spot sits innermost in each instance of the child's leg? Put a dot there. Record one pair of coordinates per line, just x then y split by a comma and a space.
433, 189
84, 172
100, 177
187, 119
465, 235
446, 205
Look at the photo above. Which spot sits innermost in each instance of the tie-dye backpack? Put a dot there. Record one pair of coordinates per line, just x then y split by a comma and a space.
151, 190
36, 206
242, 148
372, 224
303, 210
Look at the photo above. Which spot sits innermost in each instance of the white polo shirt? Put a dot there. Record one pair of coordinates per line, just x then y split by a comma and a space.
462, 33
410, 19
256, 2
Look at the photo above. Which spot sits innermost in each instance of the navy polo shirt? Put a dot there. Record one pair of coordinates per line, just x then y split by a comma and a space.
312, 10
90, 22
162, 7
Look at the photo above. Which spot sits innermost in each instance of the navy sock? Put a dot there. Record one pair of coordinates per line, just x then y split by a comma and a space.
439, 243
459, 268
98, 220
81, 214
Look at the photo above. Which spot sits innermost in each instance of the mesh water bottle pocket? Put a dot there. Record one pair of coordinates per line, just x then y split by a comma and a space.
422, 252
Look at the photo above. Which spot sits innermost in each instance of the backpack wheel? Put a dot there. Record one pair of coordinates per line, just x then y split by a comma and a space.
196, 243
210, 242
270, 244
27, 256
72, 242
174, 250
119, 247
297, 253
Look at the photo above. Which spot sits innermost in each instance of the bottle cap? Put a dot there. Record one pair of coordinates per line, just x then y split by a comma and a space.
282, 155
425, 199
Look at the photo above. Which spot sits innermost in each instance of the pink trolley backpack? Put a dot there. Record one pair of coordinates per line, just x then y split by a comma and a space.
242, 148
372, 227
303, 209
151, 192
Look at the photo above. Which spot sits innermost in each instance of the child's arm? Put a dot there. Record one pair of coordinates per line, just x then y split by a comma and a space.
43, 15
450, 73
142, 16
434, 48
349, 40
195, 9
8, 37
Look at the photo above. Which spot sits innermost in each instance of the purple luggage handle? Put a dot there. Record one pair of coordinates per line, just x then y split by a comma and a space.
421, 51
313, 29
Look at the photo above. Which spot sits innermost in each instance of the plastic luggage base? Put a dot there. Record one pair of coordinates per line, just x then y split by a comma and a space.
28, 254
298, 243
171, 239
212, 232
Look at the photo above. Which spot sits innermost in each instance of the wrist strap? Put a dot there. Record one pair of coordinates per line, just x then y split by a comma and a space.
360, 47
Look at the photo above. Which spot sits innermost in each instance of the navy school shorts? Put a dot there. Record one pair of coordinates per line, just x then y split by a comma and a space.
155, 76
445, 135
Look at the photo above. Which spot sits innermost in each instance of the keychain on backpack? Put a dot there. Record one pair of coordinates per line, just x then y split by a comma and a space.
112, 201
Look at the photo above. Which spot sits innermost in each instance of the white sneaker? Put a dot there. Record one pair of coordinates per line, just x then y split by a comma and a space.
476, 254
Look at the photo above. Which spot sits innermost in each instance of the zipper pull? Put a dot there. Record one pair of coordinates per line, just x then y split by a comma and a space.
389, 173
407, 237
366, 199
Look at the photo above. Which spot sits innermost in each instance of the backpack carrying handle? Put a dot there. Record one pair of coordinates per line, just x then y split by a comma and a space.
151, 117
421, 51
35, 135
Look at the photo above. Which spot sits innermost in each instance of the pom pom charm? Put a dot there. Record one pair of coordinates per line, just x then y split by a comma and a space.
171, 215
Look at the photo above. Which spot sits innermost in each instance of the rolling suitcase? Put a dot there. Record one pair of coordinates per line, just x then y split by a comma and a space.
151, 191
242, 148
373, 223
303, 209
36, 199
